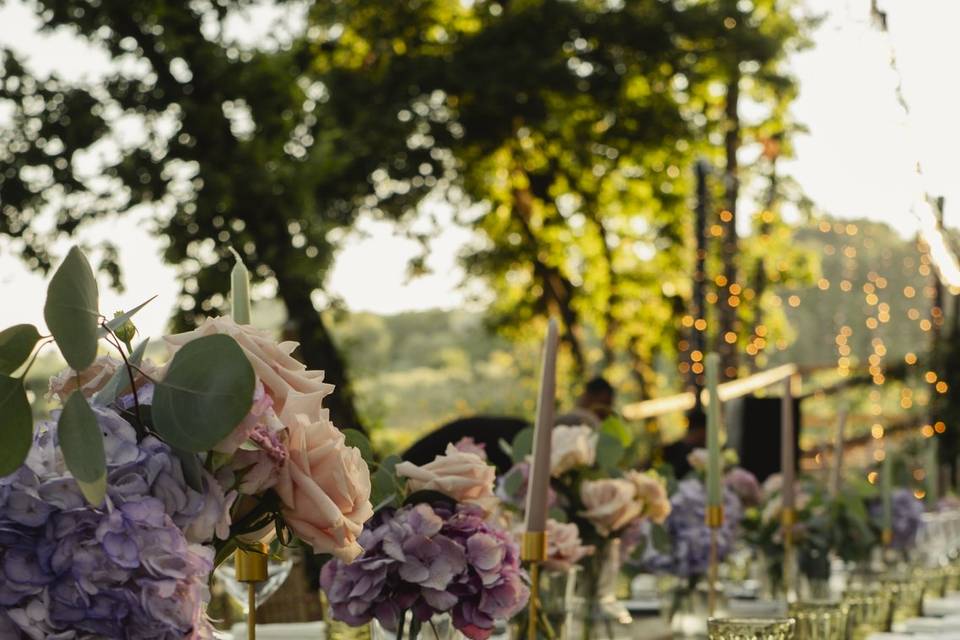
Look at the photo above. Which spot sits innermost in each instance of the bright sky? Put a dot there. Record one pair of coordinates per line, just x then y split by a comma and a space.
857, 160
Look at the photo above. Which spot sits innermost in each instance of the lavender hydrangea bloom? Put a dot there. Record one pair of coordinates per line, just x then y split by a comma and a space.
429, 559
906, 517
70, 571
689, 535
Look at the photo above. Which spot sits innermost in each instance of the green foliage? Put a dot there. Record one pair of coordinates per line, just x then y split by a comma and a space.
121, 377
16, 345
522, 446
16, 424
72, 310
354, 438
82, 445
207, 391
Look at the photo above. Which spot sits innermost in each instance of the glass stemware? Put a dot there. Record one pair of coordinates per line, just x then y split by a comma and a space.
750, 628
820, 620
279, 567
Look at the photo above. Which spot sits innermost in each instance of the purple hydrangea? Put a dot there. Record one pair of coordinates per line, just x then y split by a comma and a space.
906, 518
688, 533
427, 560
71, 571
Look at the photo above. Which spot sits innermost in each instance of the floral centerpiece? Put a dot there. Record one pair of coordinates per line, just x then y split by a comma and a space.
433, 549
116, 510
595, 499
680, 548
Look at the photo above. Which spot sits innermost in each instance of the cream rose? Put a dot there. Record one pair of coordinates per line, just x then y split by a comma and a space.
564, 546
697, 459
610, 504
325, 489
294, 389
572, 447
651, 493
464, 476
93, 378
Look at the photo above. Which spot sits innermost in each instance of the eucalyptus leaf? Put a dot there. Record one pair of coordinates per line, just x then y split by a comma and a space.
120, 378
82, 446
207, 392
513, 482
357, 439
385, 487
115, 323
609, 451
16, 345
16, 425
615, 427
557, 514
192, 469
72, 310
523, 445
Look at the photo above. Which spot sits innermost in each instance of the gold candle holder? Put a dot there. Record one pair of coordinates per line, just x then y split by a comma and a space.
250, 564
533, 551
714, 520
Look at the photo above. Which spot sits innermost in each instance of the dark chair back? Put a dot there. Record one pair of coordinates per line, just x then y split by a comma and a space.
485, 430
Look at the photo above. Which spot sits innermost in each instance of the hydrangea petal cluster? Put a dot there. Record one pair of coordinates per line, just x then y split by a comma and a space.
427, 560
906, 518
68, 570
688, 532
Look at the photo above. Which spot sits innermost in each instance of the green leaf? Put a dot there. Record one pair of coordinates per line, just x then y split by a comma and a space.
609, 451
523, 445
357, 439
120, 378
82, 446
16, 345
512, 482
72, 310
16, 425
384, 484
558, 514
118, 321
192, 469
615, 427
207, 391
660, 537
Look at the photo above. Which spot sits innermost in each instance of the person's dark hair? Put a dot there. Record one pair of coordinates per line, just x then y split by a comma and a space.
598, 385
696, 419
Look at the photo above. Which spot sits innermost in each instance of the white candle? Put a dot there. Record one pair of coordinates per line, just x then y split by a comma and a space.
714, 419
239, 291
539, 484
787, 448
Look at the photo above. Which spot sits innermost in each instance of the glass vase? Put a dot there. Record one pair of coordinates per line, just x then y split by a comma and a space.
439, 627
597, 586
750, 628
869, 611
562, 612
684, 604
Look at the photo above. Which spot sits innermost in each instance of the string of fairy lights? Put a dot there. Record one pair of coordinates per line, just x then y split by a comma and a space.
877, 310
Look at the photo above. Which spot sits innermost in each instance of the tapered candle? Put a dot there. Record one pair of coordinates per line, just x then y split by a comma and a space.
787, 446
932, 472
836, 478
714, 465
536, 519
886, 489
239, 290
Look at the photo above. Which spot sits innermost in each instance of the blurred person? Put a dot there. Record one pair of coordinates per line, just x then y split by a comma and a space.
593, 406
675, 454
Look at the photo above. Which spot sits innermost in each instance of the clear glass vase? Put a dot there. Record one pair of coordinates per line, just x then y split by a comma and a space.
439, 627
601, 611
684, 605
563, 611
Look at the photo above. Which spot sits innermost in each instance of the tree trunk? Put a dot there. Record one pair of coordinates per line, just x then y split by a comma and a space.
760, 278
318, 349
727, 311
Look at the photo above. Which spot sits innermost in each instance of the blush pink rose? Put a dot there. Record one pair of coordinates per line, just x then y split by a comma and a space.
325, 489
464, 476
564, 546
293, 389
609, 504
94, 378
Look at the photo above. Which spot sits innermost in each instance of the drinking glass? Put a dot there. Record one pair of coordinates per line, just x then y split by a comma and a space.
279, 567
820, 620
750, 628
